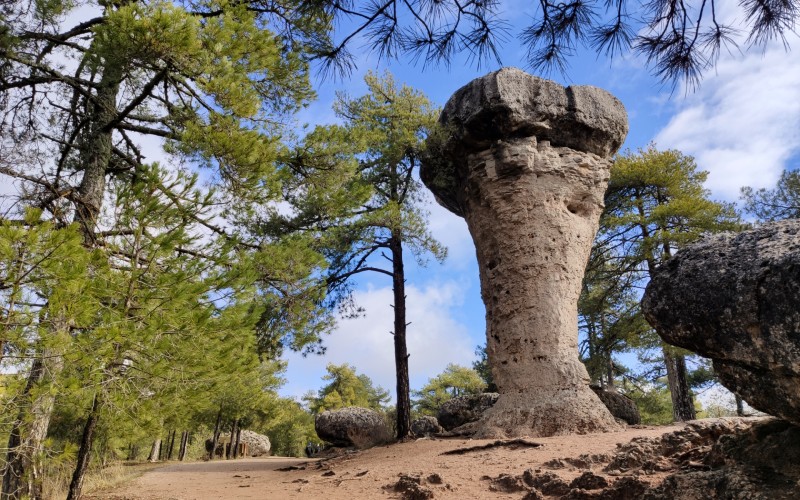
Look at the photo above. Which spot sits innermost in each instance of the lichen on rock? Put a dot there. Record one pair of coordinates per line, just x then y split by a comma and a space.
734, 298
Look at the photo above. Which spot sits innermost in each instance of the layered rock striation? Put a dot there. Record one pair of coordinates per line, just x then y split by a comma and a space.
526, 163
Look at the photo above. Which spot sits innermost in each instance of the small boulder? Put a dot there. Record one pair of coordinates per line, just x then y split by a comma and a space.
352, 426
734, 298
620, 405
425, 426
465, 409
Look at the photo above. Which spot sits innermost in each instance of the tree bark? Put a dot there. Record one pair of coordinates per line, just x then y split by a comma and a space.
610, 374
155, 451
230, 452
22, 474
236, 442
677, 378
84, 453
184, 441
400, 347
215, 437
171, 445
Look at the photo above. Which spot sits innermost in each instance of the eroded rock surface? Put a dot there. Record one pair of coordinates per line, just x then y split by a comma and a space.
620, 405
526, 163
734, 298
258, 445
426, 426
462, 410
352, 426
732, 458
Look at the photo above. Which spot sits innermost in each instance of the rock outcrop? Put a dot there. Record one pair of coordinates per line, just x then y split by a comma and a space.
621, 406
734, 298
734, 458
760, 464
526, 163
352, 426
462, 410
426, 426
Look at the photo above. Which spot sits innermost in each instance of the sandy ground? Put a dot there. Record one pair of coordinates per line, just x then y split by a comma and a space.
366, 474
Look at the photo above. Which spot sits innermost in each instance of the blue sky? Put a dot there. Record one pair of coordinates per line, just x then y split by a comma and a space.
742, 125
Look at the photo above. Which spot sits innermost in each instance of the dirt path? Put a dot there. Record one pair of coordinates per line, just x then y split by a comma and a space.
365, 474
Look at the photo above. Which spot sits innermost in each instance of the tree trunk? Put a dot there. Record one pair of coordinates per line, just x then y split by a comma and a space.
238, 439
400, 347
22, 474
85, 451
171, 445
184, 440
229, 451
215, 437
610, 374
677, 378
155, 451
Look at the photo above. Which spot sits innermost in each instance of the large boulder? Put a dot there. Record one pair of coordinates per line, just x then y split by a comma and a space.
462, 410
735, 298
257, 444
352, 426
620, 405
526, 162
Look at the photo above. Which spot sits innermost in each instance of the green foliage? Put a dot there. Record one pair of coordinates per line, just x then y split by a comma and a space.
354, 194
655, 204
346, 388
781, 202
290, 428
454, 381
353, 185
654, 404
481, 365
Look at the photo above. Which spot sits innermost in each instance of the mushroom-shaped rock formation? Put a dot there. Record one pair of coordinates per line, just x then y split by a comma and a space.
734, 298
526, 163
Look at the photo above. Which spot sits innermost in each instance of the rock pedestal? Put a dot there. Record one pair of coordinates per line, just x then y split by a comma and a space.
526, 163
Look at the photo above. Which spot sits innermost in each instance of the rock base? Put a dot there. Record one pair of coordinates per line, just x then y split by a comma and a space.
546, 412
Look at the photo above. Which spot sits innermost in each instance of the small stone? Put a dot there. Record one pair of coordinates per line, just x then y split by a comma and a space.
589, 481
434, 478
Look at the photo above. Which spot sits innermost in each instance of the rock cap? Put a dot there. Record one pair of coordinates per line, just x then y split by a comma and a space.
511, 103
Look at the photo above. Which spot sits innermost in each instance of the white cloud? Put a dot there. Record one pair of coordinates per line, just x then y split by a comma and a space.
451, 231
434, 339
742, 124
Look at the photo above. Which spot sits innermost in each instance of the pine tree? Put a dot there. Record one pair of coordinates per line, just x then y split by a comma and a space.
214, 81
346, 388
655, 204
356, 191
781, 202
454, 381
